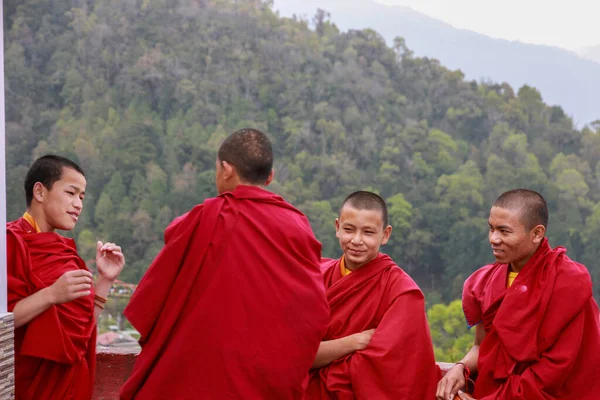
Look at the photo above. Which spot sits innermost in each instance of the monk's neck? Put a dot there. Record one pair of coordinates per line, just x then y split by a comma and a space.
353, 267
517, 266
39, 218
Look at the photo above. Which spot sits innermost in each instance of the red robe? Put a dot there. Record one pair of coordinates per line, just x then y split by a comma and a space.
542, 334
233, 306
398, 363
55, 353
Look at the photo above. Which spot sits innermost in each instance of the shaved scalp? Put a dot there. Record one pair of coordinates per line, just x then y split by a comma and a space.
250, 152
531, 205
363, 200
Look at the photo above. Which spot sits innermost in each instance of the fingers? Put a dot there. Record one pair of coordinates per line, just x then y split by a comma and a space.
439, 393
110, 247
80, 287
78, 273
83, 293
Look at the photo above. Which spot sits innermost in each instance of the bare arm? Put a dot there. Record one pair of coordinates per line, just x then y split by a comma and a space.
32, 306
331, 350
70, 286
454, 379
110, 262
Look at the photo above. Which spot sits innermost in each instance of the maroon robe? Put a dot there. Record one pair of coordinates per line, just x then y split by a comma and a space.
542, 334
233, 306
398, 363
55, 353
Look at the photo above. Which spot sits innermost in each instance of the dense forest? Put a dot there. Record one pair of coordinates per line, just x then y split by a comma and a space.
141, 93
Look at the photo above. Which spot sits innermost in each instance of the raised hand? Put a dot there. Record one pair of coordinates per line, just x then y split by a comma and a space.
70, 286
109, 260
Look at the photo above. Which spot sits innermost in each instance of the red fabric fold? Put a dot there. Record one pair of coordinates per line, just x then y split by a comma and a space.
55, 353
398, 363
233, 306
542, 334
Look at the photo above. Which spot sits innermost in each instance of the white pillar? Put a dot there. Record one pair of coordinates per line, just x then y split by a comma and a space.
2, 173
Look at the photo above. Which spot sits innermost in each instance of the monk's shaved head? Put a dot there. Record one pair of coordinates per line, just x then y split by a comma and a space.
363, 200
531, 205
250, 152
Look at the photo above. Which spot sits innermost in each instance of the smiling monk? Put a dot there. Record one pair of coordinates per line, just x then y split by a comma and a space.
50, 289
377, 345
537, 330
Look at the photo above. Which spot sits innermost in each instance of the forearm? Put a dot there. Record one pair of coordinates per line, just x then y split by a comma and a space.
331, 350
32, 306
470, 359
101, 288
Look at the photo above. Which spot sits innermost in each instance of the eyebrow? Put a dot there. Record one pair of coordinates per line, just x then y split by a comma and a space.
500, 227
77, 189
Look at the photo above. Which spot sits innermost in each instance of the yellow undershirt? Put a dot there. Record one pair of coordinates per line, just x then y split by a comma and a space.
27, 217
343, 268
511, 278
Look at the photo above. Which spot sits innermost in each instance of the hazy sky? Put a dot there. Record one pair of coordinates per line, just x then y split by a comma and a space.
571, 24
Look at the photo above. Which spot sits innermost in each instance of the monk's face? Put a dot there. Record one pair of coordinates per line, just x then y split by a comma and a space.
62, 204
361, 233
512, 242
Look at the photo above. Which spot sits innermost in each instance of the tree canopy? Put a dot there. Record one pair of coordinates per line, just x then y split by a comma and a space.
142, 92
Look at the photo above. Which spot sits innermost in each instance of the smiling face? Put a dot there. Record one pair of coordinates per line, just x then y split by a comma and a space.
361, 233
512, 242
60, 205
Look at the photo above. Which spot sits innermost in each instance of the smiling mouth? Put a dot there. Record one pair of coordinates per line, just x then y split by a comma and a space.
74, 216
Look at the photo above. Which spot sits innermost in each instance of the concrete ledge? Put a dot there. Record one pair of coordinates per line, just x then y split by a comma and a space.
113, 367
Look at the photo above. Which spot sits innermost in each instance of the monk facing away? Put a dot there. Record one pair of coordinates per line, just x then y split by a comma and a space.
537, 330
377, 344
50, 289
233, 307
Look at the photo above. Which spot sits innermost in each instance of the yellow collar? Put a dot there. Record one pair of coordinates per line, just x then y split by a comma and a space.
27, 217
343, 268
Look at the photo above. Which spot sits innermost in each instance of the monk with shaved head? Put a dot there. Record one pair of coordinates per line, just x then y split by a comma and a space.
233, 307
377, 345
537, 334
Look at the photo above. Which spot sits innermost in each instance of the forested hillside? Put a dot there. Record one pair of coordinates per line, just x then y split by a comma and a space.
141, 92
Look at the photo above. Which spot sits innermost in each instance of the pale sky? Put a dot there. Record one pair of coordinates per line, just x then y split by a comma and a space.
570, 24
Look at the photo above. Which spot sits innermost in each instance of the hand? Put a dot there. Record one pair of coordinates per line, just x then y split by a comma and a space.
109, 260
70, 286
361, 340
463, 396
449, 385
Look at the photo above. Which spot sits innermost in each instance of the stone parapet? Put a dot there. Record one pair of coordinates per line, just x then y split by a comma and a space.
113, 367
7, 357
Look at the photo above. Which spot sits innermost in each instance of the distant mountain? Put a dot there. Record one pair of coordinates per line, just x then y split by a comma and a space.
591, 53
563, 77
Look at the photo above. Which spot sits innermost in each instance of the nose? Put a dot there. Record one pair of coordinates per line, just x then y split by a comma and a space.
357, 238
495, 237
78, 203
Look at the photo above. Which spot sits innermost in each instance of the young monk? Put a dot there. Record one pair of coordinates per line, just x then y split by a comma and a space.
537, 330
50, 289
233, 307
377, 345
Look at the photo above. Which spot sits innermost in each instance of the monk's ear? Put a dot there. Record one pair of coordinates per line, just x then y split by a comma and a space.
228, 170
270, 178
337, 227
387, 232
38, 192
538, 233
